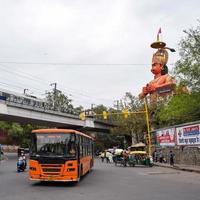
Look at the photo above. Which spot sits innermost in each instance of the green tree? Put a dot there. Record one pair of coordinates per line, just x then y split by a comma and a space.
19, 134
135, 125
26, 139
105, 141
15, 131
4, 125
187, 69
99, 110
180, 109
58, 101
78, 110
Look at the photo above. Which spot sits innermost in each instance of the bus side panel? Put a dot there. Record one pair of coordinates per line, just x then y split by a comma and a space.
86, 164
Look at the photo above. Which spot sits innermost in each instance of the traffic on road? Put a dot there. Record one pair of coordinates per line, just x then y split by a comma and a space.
104, 182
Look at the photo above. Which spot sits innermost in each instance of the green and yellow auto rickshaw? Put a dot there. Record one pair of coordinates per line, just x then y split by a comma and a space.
139, 156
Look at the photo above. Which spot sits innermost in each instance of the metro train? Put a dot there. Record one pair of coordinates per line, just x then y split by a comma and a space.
23, 99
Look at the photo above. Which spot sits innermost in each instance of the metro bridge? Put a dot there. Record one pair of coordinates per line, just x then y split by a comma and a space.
15, 112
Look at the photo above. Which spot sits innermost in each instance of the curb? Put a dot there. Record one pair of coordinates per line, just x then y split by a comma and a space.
179, 168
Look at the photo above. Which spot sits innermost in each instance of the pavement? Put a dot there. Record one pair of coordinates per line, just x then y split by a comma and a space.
189, 168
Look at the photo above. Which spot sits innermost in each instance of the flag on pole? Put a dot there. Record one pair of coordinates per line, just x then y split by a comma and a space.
159, 32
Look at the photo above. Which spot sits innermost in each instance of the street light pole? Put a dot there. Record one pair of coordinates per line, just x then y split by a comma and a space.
148, 127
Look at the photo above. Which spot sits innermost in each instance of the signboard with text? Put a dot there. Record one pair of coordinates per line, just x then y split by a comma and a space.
188, 135
166, 137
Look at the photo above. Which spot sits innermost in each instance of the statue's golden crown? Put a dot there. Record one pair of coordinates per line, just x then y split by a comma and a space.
161, 56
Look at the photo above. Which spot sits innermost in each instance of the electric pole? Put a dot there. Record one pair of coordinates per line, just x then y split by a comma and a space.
25, 90
92, 106
117, 105
54, 94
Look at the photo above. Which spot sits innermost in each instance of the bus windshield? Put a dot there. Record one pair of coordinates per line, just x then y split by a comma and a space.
53, 144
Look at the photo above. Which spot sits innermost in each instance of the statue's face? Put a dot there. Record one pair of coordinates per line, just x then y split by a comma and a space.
156, 68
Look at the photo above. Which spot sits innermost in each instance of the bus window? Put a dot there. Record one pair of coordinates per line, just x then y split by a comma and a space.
54, 145
81, 146
72, 145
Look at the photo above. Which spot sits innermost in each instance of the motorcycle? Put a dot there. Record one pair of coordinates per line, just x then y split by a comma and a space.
21, 164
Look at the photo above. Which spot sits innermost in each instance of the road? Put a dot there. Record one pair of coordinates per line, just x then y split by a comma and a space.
105, 182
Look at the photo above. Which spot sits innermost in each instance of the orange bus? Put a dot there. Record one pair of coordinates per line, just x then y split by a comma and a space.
60, 155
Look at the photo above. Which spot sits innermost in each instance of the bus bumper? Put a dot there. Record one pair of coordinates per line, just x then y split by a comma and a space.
54, 179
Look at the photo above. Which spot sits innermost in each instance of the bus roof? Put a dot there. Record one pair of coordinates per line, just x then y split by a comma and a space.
57, 130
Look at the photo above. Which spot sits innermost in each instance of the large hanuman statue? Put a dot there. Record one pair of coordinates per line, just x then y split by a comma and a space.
162, 84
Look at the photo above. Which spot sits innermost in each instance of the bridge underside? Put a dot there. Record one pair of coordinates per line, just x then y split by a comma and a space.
23, 114
51, 124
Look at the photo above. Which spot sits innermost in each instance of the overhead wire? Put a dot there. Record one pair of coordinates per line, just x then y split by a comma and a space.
70, 90
77, 64
19, 74
34, 78
72, 64
22, 88
17, 84
2, 83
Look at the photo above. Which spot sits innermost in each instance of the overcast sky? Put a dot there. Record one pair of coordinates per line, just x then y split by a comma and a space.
95, 50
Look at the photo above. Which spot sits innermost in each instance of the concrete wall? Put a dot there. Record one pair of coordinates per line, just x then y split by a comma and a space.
184, 155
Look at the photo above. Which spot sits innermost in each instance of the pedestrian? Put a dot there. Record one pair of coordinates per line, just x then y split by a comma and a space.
171, 158
109, 155
154, 156
160, 155
102, 156
125, 157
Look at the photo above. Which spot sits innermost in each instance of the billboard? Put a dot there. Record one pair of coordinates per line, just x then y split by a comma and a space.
166, 137
188, 135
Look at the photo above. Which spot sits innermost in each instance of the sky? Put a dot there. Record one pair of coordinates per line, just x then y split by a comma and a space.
95, 50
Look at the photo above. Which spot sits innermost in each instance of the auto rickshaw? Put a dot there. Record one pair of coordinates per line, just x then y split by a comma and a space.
139, 156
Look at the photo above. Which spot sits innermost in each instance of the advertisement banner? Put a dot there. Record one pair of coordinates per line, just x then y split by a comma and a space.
166, 137
188, 135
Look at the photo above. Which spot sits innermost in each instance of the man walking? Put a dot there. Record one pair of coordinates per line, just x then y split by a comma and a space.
171, 158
